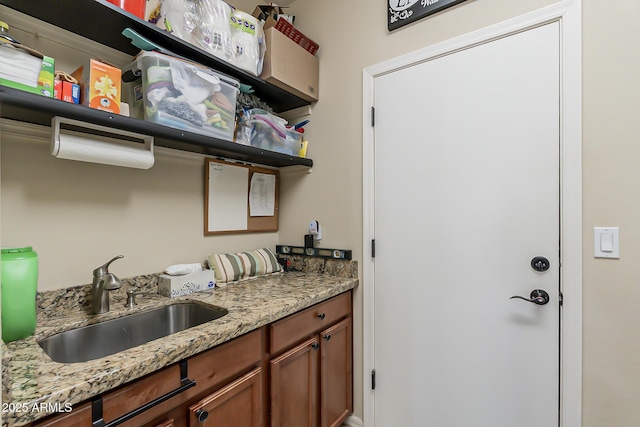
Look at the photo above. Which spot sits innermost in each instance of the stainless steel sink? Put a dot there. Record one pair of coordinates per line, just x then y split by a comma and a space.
112, 336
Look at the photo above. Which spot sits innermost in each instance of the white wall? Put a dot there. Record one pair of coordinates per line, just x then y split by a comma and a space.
79, 215
611, 130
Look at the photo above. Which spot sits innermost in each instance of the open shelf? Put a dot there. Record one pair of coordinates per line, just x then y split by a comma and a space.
103, 22
37, 109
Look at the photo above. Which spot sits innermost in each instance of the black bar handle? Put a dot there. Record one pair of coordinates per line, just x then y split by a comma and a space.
151, 404
98, 420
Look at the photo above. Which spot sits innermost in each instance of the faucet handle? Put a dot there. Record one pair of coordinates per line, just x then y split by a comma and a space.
104, 269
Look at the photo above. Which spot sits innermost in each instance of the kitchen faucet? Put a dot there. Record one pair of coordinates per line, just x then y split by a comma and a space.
103, 281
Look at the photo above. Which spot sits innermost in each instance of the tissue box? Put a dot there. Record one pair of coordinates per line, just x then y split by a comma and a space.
175, 286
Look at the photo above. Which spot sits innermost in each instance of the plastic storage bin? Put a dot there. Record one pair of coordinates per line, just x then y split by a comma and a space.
185, 95
258, 133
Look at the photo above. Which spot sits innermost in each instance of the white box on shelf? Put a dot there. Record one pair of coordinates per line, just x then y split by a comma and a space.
175, 286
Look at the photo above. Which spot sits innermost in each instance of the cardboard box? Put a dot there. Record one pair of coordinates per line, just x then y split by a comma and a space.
296, 35
100, 86
174, 286
46, 76
57, 89
67, 91
288, 66
268, 14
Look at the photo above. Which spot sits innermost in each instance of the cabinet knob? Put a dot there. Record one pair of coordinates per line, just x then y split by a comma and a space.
321, 316
202, 415
315, 346
327, 337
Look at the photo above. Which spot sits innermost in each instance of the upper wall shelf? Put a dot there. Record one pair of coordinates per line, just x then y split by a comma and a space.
81, 17
37, 109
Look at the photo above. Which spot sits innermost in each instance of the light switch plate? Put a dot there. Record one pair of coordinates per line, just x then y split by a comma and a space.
606, 242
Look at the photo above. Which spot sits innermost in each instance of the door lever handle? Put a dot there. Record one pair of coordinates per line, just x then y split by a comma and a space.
537, 296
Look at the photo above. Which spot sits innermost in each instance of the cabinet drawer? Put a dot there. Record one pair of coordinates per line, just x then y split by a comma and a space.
237, 404
213, 367
208, 369
79, 417
294, 328
132, 396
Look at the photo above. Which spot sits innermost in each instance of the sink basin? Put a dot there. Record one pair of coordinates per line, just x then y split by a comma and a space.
112, 336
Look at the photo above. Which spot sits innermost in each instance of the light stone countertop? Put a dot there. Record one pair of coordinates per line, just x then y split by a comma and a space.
36, 379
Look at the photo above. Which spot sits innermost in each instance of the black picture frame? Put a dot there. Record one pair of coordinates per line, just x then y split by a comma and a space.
403, 12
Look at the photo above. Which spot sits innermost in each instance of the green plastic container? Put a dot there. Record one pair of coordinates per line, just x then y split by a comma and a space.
19, 285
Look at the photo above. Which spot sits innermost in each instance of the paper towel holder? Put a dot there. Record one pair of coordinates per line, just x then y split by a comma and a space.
77, 140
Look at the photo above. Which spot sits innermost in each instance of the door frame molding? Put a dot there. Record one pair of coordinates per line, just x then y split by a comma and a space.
568, 13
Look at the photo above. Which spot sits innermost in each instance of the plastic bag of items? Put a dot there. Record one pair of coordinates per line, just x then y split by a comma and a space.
247, 42
214, 26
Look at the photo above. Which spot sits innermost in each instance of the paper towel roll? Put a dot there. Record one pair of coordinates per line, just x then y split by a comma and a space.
79, 146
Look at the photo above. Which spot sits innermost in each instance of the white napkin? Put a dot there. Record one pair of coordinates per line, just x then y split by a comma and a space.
181, 269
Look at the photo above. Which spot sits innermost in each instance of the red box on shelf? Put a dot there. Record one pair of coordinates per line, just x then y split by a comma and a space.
294, 34
66, 91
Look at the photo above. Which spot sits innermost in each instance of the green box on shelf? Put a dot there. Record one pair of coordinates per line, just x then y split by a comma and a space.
45, 80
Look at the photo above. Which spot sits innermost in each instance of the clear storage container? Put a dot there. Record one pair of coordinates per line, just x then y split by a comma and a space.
259, 134
185, 95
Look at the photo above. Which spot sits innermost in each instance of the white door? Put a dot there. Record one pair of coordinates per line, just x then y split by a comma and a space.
466, 196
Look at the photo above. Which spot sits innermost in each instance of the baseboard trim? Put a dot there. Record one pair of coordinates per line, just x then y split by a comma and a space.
354, 421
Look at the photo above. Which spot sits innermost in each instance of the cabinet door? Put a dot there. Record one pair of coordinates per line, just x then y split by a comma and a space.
79, 417
336, 380
167, 423
239, 404
294, 386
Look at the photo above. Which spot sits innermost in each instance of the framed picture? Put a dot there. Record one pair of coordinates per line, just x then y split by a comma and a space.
403, 12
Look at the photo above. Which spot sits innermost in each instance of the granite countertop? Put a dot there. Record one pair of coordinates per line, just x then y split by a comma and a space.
35, 379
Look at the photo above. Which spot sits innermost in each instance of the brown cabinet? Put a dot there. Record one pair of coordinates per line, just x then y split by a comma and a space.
294, 386
163, 398
166, 423
299, 367
336, 374
311, 383
79, 417
238, 404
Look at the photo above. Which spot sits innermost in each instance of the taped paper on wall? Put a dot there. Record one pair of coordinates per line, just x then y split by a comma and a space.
262, 194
